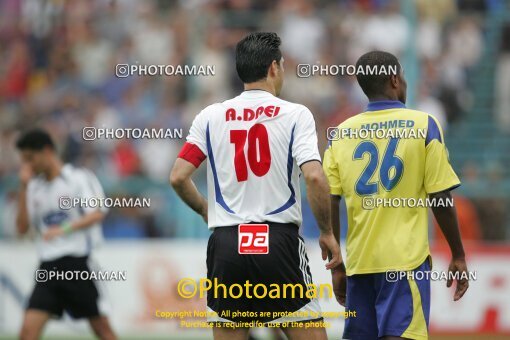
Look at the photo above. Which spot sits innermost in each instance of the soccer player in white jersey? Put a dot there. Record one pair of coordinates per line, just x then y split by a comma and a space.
256, 145
65, 238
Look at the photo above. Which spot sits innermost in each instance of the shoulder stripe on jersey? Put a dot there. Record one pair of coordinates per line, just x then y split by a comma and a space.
217, 190
432, 132
290, 163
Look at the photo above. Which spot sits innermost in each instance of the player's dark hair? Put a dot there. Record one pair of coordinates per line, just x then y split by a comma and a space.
254, 55
375, 84
35, 140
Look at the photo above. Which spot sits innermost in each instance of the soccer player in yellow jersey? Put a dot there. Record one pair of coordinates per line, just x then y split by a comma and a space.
405, 162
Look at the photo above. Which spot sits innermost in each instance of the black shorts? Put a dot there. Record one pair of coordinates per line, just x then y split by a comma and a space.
78, 297
285, 263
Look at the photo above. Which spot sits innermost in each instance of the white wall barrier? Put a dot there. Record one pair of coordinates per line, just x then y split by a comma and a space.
153, 270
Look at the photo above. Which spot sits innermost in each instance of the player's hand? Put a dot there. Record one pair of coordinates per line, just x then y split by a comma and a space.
329, 245
458, 268
52, 232
339, 280
25, 173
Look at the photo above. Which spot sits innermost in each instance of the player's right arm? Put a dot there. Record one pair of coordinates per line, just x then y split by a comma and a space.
192, 154
339, 275
181, 181
439, 180
22, 218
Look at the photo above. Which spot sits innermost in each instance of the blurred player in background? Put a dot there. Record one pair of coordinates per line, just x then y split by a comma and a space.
65, 237
256, 145
390, 239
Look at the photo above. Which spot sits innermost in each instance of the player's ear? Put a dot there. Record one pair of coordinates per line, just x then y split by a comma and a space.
394, 81
273, 69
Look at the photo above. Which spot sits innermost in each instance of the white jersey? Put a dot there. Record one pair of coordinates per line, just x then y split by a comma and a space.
255, 144
43, 203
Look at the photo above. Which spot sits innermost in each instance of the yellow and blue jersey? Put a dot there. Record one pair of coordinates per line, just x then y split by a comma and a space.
410, 161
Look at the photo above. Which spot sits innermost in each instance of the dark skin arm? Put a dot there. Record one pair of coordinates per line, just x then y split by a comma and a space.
447, 219
335, 216
339, 276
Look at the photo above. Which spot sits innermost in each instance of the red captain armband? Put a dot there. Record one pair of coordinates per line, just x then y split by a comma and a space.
192, 153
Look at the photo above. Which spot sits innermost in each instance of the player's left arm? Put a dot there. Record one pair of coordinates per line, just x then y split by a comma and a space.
440, 179
446, 217
317, 194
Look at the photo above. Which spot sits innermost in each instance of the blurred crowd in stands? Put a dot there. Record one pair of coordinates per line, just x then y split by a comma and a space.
58, 72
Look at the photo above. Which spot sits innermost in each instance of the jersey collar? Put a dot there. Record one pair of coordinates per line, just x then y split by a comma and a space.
255, 93
385, 105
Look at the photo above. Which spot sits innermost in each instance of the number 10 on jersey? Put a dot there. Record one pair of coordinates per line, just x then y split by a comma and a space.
258, 155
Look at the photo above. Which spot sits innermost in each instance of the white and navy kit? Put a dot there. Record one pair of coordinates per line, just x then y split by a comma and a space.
47, 206
44, 209
255, 144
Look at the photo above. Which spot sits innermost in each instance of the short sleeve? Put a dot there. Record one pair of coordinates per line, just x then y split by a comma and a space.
439, 174
331, 170
91, 188
197, 132
305, 146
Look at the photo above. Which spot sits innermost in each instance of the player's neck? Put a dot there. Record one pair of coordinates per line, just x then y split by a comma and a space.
383, 98
54, 169
259, 85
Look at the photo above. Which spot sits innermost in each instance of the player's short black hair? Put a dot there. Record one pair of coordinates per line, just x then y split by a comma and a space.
254, 55
36, 140
375, 84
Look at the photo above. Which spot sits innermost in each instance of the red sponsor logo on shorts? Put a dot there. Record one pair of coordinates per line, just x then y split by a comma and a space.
253, 239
